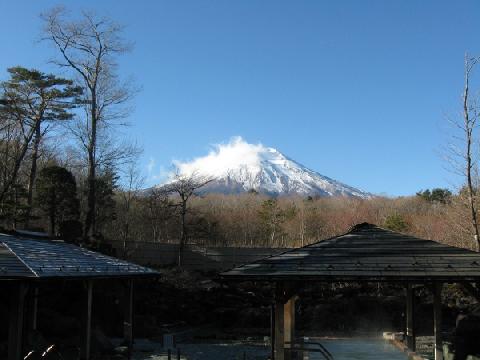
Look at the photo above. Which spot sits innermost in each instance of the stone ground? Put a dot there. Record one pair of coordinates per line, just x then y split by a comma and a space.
425, 346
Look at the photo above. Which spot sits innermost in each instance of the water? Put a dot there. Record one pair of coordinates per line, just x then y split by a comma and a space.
360, 349
341, 349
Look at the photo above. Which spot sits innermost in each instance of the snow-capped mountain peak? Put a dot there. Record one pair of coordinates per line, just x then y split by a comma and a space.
238, 167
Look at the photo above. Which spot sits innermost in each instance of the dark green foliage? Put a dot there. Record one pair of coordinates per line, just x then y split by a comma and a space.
70, 230
105, 186
32, 93
396, 222
57, 196
29, 99
435, 195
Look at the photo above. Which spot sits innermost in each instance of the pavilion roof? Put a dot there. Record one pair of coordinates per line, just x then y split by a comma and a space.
25, 258
366, 253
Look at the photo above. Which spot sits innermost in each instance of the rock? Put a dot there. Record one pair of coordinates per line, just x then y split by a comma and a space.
119, 357
36, 341
100, 342
121, 350
145, 325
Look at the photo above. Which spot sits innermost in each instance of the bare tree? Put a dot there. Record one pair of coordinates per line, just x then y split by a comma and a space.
461, 152
470, 116
160, 210
133, 182
184, 186
89, 47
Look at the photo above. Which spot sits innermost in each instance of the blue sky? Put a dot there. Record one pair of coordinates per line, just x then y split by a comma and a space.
357, 90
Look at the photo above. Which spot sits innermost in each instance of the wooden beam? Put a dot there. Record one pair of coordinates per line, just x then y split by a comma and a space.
279, 323
15, 332
128, 317
410, 312
289, 324
86, 331
437, 314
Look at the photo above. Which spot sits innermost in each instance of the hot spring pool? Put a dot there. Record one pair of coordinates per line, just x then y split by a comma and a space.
341, 349
361, 349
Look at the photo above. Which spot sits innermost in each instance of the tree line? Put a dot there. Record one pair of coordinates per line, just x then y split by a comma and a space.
255, 220
67, 169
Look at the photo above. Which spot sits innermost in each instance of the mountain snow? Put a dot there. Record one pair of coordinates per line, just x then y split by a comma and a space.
238, 167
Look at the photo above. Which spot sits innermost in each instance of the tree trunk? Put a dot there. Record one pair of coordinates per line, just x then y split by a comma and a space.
53, 214
90, 223
33, 171
183, 235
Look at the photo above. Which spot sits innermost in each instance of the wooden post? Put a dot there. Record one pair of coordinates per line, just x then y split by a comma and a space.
272, 331
128, 317
279, 324
437, 314
289, 324
34, 308
30, 313
410, 333
86, 331
15, 332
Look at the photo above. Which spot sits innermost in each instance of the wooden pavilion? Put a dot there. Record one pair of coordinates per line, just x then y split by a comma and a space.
26, 262
364, 254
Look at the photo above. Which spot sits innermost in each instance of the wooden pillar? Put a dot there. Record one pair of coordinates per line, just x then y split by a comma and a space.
34, 315
289, 324
410, 326
30, 313
15, 332
272, 331
86, 330
279, 324
32, 308
437, 314
128, 317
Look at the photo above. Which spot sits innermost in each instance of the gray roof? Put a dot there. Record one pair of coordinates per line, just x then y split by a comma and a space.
366, 253
44, 259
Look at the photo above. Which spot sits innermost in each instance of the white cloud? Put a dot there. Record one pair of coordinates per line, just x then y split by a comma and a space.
222, 157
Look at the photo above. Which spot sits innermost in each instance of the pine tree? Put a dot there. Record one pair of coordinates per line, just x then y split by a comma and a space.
31, 101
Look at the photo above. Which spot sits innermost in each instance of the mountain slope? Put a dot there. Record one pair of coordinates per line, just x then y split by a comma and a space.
238, 167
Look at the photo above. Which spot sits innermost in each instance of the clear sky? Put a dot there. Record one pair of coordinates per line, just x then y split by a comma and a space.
356, 90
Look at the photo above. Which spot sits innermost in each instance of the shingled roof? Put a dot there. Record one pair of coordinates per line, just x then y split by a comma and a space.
24, 258
366, 253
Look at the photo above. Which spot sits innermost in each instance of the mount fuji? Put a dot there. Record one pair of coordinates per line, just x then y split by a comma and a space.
238, 167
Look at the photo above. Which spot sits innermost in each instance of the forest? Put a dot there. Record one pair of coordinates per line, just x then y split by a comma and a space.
69, 169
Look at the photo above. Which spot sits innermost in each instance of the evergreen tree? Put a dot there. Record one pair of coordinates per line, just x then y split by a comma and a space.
435, 195
105, 185
30, 100
396, 222
272, 216
57, 196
